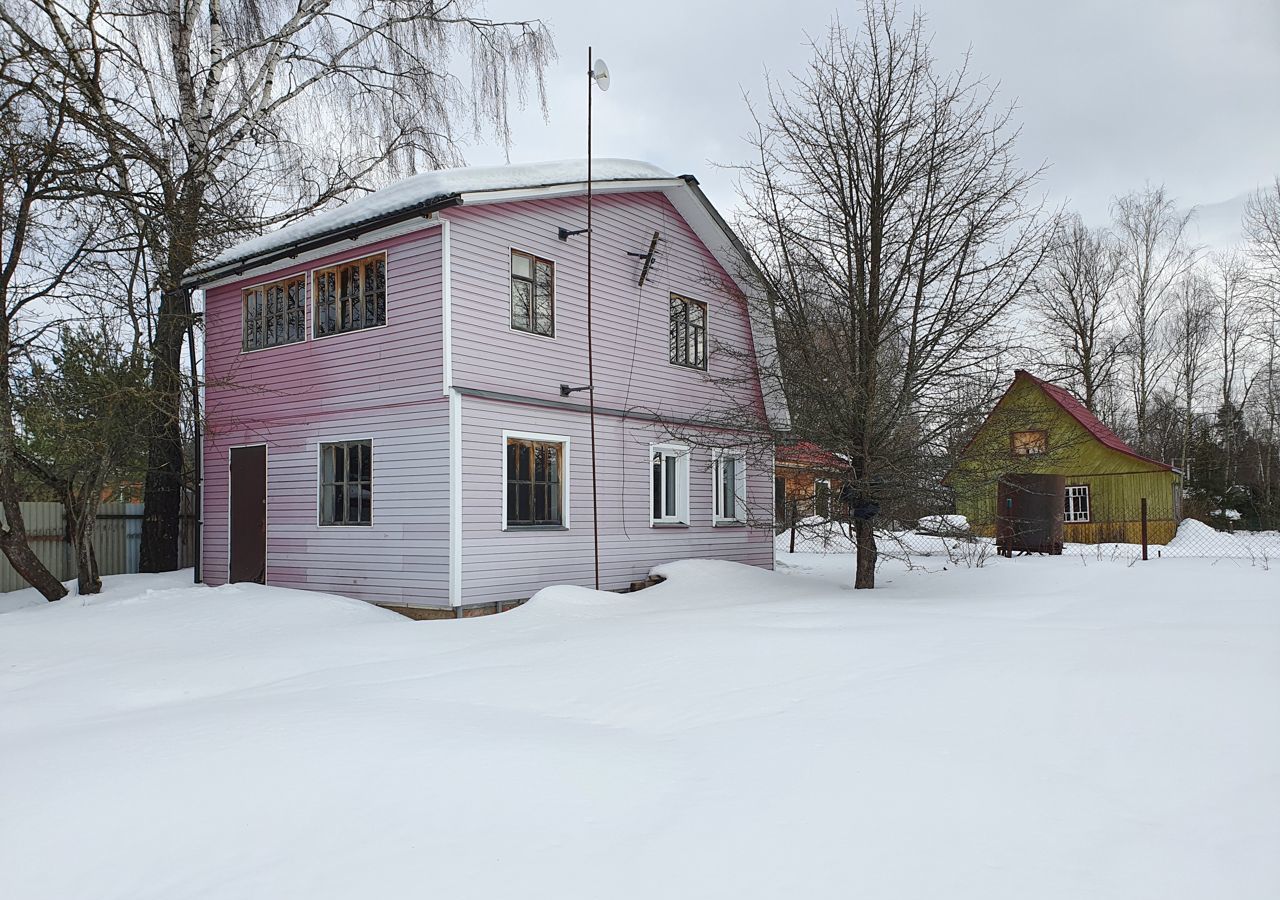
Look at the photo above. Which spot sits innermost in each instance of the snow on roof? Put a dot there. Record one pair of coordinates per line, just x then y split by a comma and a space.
1091, 423
419, 190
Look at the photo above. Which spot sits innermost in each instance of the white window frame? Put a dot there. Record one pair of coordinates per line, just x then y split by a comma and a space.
565, 480
718, 456
1071, 516
681, 454
373, 459
555, 274
262, 286
313, 296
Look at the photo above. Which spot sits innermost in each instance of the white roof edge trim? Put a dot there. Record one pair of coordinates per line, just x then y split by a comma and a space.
620, 186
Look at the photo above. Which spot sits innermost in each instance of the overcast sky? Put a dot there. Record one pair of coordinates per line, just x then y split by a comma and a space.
1111, 93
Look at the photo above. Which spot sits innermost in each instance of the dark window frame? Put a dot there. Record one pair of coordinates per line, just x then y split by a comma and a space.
341, 307
687, 339
279, 314
335, 485
534, 492
533, 323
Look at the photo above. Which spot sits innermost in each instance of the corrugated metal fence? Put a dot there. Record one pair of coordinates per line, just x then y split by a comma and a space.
117, 540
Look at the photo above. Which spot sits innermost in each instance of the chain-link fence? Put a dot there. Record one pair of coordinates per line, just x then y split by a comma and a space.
1120, 530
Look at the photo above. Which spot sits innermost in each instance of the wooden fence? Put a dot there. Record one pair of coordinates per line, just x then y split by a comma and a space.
117, 540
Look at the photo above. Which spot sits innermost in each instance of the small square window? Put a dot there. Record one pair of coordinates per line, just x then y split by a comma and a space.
1029, 443
351, 296
535, 483
274, 314
533, 304
346, 483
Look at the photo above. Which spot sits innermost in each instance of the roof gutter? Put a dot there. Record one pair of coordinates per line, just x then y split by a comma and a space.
197, 277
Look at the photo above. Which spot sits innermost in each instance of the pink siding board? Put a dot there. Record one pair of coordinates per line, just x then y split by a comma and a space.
383, 384
498, 565
387, 385
632, 371
632, 367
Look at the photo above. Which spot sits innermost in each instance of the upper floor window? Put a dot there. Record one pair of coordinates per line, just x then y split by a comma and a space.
533, 304
688, 334
275, 313
535, 482
351, 295
346, 483
1029, 443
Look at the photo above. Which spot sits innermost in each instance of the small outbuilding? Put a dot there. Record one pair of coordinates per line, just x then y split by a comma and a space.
1038, 428
806, 482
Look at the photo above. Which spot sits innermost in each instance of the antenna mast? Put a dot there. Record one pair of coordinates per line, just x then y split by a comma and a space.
591, 374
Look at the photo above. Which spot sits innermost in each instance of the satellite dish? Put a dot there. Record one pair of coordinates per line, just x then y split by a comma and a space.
601, 74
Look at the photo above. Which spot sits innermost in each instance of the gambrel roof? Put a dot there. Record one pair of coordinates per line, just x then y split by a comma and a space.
423, 196
420, 195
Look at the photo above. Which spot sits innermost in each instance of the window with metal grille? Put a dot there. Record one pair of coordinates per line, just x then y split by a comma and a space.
688, 332
274, 313
1077, 503
535, 483
351, 295
532, 294
346, 483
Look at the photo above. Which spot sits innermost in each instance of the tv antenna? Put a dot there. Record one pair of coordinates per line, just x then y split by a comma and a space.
597, 75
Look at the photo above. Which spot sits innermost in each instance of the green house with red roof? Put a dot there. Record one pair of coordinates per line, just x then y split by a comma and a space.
1039, 428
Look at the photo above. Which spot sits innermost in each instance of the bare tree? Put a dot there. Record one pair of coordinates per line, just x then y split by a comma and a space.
1262, 230
221, 118
1229, 281
1155, 253
1191, 333
889, 216
1076, 308
46, 230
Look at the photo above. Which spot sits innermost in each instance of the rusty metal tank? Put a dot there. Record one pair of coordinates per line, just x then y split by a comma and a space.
1029, 512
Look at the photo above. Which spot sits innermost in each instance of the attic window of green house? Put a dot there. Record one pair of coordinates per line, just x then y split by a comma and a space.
1029, 443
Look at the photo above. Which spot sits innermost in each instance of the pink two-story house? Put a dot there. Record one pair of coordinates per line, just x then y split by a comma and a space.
385, 417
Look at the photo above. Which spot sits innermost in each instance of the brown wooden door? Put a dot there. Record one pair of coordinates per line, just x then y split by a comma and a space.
248, 515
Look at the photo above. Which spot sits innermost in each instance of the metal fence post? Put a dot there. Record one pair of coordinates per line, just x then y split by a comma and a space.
794, 501
1144, 527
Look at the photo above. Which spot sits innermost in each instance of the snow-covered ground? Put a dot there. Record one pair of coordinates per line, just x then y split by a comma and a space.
1035, 728
944, 537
